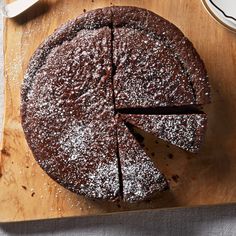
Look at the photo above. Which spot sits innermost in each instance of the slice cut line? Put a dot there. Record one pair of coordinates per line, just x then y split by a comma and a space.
94, 22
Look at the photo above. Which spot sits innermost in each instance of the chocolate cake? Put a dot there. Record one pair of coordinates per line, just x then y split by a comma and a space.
68, 115
140, 178
91, 68
155, 38
183, 130
148, 74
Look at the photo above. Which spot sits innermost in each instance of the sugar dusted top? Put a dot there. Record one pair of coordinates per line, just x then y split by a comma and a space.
101, 61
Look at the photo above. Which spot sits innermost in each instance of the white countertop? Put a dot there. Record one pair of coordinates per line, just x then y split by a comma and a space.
212, 221
217, 220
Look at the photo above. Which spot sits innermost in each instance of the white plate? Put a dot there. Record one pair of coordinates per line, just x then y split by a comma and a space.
223, 11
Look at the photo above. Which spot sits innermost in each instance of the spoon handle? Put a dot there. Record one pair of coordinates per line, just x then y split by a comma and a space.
15, 8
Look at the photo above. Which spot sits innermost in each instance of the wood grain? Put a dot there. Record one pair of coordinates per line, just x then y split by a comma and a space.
27, 193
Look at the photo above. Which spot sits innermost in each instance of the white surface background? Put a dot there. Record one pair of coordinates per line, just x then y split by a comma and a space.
218, 220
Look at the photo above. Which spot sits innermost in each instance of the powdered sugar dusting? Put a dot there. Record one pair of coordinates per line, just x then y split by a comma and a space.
148, 73
140, 177
88, 147
98, 180
76, 139
185, 131
69, 107
68, 101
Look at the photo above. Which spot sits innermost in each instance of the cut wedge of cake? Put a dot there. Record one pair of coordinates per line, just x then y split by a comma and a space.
183, 130
140, 178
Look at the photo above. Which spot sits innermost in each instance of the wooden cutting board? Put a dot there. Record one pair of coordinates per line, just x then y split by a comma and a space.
27, 193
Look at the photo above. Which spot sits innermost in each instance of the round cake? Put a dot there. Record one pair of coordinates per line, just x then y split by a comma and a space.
105, 62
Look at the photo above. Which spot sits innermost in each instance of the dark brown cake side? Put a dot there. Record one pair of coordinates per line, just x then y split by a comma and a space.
185, 131
68, 115
140, 178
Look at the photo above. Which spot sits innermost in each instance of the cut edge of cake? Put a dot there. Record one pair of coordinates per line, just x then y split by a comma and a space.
140, 178
186, 131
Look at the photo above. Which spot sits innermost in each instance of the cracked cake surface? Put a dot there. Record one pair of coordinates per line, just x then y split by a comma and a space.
183, 130
68, 116
148, 73
79, 78
140, 178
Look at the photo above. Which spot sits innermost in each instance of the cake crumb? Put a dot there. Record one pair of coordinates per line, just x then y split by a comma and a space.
5, 152
170, 156
175, 178
24, 187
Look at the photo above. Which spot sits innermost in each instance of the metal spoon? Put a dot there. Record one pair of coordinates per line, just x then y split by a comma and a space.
17, 7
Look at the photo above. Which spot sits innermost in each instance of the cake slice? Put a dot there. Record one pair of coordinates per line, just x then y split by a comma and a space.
148, 73
175, 42
183, 130
140, 178
68, 115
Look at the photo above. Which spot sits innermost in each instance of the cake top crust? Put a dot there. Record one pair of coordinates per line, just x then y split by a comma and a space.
183, 130
104, 60
140, 178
